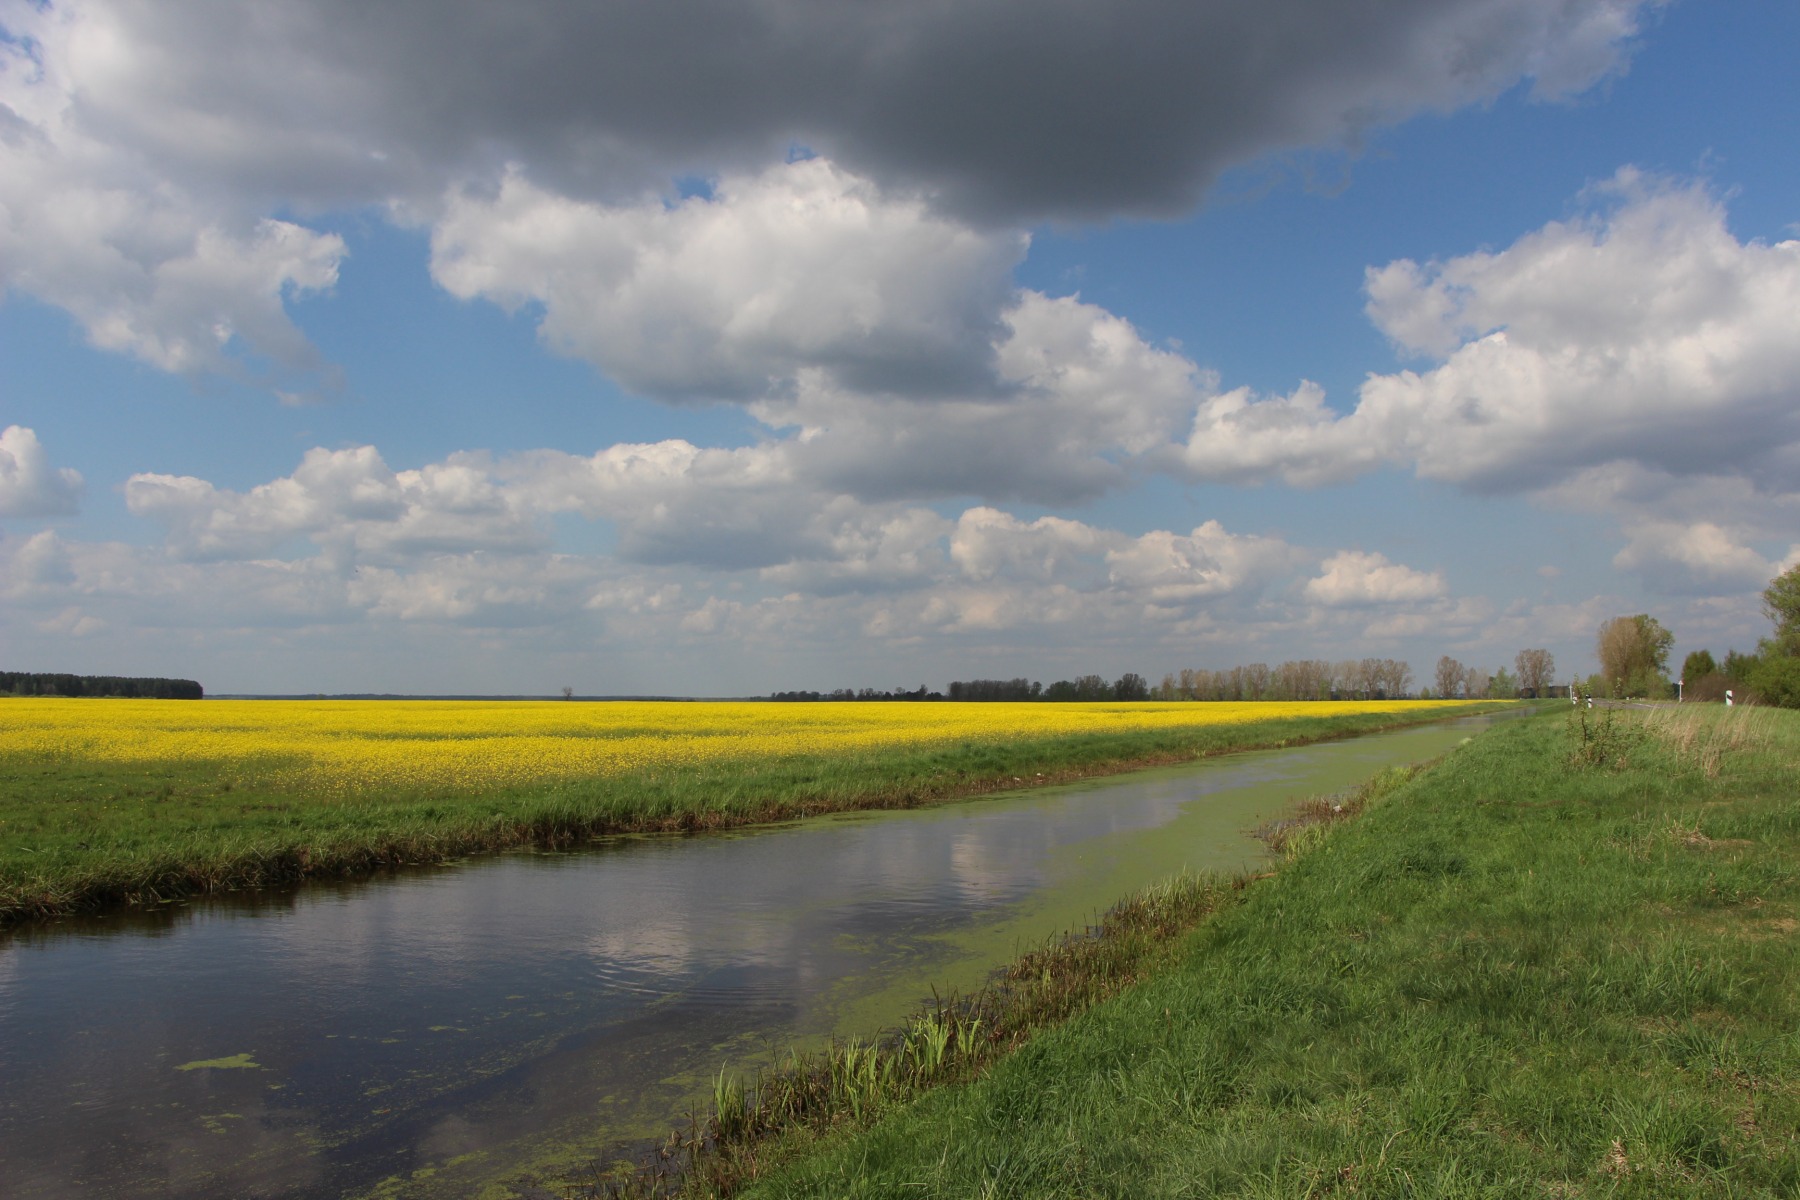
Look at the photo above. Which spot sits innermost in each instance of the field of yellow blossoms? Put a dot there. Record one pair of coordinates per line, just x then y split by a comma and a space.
356, 747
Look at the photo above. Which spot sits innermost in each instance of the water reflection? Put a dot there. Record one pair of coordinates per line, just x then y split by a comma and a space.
506, 1017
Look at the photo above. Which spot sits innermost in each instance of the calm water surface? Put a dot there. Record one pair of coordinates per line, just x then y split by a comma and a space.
505, 1021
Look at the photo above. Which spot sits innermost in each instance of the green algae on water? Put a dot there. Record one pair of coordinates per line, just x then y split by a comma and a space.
236, 1062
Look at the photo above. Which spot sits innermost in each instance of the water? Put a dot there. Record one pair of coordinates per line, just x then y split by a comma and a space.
503, 1022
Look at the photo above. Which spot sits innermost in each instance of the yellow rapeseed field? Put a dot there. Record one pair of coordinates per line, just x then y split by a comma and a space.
354, 747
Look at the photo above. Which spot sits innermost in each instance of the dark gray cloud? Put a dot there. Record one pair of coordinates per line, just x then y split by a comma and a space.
1005, 109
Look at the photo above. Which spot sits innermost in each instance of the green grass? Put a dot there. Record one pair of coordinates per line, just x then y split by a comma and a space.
77, 837
1540, 969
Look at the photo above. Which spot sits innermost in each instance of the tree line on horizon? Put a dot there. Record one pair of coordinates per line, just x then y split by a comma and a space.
1535, 679
1305, 679
36, 683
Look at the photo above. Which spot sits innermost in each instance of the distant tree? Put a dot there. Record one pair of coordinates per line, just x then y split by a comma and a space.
568, 693
1476, 683
1062, 689
995, 689
30, 683
1503, 686
1738, 666
1776, 680
1537, 671
1774, 675
1131, 686
1634, 655
1092, 687
1450, 675
1697, 666
1781, 601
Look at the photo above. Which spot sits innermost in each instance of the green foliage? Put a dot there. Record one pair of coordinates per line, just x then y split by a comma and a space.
1600, 738
1738, 666
1634, 656
1781, 601
1503, 686
1775, 679
1131, 686
1697, 666
27, 683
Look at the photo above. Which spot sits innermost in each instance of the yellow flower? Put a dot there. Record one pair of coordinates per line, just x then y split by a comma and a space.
358, 747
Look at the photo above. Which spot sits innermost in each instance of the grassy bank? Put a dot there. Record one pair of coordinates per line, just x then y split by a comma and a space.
89, 820
1563, 962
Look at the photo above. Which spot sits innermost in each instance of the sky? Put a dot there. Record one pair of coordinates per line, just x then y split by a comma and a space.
720, 347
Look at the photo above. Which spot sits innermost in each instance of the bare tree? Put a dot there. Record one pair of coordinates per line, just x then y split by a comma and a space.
568, 693
1450, 675
1476, 682
1537, 670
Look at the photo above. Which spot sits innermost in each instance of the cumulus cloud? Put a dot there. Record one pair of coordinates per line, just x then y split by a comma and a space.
1355, 577
1173, 570
728, 295
185, 280
346, 547
988, 542
348, 502
1641, 333
158, 162
988, 103
1693, 557
1647, 333
1687, 535
467, 537
29, 485
1082, 403
1238, 438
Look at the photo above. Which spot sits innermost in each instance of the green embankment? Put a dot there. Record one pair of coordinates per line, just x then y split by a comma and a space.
1564, 962
84, 836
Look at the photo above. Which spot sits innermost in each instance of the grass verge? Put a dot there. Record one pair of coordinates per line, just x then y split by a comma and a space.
1563, 962
757, 1124
80, 836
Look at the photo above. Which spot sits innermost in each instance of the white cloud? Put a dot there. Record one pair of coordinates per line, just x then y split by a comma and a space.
346, 501
39, 566
877, 550
1355, 577
1173, 570
1237, 438
185, 281
731, 295
1646, 334
1693, 557
988, 542
346, 540
1080, 403
1642, 333
29, 485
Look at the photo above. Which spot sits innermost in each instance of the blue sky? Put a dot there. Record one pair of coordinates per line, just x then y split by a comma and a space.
752, 347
